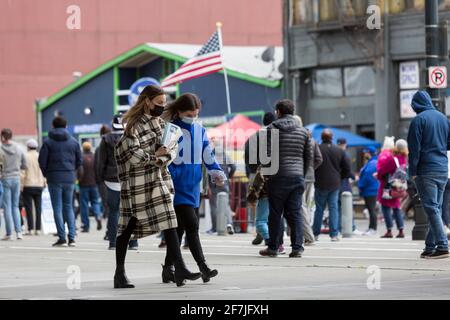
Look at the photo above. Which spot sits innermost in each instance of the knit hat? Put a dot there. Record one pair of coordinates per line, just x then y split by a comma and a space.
32, 144
389, 143
401, 144
370, 149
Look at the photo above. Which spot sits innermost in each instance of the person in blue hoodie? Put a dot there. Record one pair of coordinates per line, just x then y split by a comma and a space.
59, 160
368, 187
186, 172
429, 140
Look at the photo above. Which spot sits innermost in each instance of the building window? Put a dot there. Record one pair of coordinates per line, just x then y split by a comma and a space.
327, 83
359, 81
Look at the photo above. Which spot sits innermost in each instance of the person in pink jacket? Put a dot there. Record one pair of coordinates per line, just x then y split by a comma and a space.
386, 166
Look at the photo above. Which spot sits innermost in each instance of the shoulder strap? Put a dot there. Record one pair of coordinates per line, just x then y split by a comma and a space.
396, 162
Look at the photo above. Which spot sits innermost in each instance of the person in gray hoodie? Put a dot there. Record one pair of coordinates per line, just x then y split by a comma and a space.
14, 161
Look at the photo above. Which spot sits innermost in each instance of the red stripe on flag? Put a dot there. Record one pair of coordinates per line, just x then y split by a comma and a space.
192, 70
189, 62
189, 78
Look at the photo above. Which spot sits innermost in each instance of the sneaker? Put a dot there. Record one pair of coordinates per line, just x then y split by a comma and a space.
334, 239
211, 231
28, 233
106, 238
258, 239
84, 230
370, 232
356, 232
230, 229
60, 243
400, 234
438, 255
37, 233
72, 243
7, 238
308, 243
388, 234
316, 238
99, 224
19, 236
135, 248
162, 244
281, 249
426, 254
295, 254
268, 253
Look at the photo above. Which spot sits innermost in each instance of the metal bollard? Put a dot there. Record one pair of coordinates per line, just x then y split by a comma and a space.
221, 217
347, 214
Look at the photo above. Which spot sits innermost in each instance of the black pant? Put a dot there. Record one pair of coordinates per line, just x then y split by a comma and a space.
31, 194
188, 220
371, 203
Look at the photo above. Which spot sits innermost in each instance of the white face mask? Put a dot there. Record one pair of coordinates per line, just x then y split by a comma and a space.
189, 120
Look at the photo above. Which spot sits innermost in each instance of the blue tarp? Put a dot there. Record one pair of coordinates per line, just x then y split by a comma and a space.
353, 140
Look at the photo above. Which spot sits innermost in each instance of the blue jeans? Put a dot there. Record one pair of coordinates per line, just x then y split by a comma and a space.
445, 203
322, 198
89, 195
1, 199
398, 216
262, 216
61, 196
113, 200
431, 190
285, 198
11, 196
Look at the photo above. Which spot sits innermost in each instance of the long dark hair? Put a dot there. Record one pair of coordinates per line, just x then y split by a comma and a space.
185, 102
141, 107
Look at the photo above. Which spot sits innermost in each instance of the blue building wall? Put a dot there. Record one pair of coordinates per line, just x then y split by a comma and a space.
153, 69
97, 94
244, 95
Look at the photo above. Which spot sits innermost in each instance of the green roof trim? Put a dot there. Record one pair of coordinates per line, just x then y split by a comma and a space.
133, 52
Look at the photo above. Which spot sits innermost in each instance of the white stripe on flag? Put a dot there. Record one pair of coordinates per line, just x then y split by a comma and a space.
217, 67
194, 66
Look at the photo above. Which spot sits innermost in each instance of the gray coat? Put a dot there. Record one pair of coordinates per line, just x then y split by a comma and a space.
13, 160
318, 159
294, 147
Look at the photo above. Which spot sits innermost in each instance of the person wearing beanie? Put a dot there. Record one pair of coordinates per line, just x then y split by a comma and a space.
368, 187
33, 185
106, 173
428, 142
88, 189
386, 167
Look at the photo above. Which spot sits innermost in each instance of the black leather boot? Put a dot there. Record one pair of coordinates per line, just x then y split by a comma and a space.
120, 279
182, 274
207, 273
168, 274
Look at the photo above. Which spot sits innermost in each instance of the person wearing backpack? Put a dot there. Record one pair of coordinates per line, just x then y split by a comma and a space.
391, 158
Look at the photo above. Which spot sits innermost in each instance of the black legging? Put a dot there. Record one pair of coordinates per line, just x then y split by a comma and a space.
371, 203
188, 220
31, 194
171, 237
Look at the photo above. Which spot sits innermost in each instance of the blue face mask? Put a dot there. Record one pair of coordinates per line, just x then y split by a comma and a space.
189, 120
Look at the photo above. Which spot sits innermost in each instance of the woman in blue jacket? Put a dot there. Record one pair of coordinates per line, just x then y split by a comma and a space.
186, 172
368, 187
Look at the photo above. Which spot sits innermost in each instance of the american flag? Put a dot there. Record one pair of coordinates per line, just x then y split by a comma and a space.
207, 60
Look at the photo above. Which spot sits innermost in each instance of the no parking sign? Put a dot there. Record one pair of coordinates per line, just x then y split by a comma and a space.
437, 77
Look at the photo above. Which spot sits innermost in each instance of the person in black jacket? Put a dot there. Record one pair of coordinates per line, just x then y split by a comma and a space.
329, 175
292, 154
106, 171
59, 159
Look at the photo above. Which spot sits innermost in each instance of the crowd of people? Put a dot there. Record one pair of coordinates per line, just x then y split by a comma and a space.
146, 187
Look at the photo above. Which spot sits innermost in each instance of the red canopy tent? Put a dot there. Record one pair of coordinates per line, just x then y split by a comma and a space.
235, 132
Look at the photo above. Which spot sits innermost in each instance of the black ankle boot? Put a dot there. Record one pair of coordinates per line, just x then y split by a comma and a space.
182, 274
120, 279
168, 274
207, 273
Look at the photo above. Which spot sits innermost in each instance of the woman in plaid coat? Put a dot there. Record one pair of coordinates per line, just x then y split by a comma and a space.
146, 205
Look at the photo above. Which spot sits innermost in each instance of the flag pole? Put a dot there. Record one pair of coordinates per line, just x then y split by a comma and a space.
227, 88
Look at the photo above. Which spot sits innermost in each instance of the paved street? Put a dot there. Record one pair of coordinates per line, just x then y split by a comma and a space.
32, 269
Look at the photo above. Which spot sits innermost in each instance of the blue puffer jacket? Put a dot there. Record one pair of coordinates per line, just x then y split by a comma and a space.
368, 185
186, 169
60, 157
428, 138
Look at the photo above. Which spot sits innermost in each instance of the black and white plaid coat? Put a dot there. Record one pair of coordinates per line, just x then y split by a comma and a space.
146, 186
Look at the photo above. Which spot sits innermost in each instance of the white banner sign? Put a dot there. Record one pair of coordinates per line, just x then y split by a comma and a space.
48, 222
406, 111
409, 75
